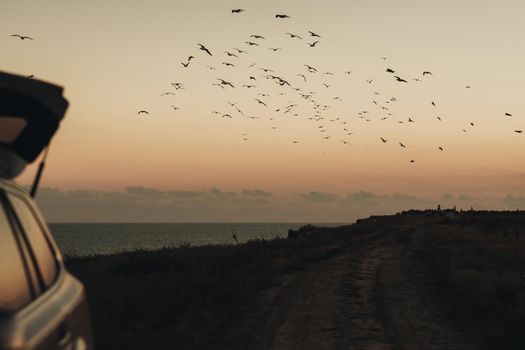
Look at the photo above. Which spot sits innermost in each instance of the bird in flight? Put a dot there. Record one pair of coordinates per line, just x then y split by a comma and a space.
230, 54
388, 70
427, 73
240, 51
382, 139
175, 107
224, 82
518, 131
231, 103
412, 161
440, 148
433, 103
310, 68
293, 35
211, 68
257, 36
282, 16
302, 75
369, 81
144, 112
237, 10
314, 34
203, 48
401, 80
261, 102
251, 43
508, 114
401, 144
274, 49
228, 64
313, 44
22, 37
167, 93
383, 58
185, 64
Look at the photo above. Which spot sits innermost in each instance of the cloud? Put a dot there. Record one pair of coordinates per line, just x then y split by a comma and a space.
144, 204
256, 193
514, 202
317, 197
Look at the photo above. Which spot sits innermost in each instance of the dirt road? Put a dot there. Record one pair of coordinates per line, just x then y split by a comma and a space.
372, 295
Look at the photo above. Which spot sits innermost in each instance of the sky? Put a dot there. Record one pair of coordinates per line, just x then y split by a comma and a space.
116, 58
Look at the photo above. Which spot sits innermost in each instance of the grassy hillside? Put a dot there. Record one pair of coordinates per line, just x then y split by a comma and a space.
185, 297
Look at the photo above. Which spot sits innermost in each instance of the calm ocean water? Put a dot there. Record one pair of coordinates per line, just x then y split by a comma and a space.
90, 239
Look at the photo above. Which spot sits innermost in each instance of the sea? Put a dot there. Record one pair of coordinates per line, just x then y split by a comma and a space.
84, 239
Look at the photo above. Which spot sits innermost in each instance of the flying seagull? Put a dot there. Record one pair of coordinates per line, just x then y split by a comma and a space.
251, 43
314, 34
388, 70
257, 36
167, 93
145, 112
175, 107
261, 102
427, 73
400, 79
237, 10
313, 44
203, 48
22, 37
293, 35
240, 51
224, 82
508, 114
274, 49
518, 131
282, 16
382, 139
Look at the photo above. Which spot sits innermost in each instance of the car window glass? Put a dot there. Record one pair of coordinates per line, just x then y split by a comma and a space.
38, 242
14, 288
11, 128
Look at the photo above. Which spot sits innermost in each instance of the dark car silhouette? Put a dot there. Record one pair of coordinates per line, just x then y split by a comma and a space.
42, 306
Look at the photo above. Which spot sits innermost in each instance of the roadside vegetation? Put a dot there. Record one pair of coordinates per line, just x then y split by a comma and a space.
191, 297
181, 297
480, 264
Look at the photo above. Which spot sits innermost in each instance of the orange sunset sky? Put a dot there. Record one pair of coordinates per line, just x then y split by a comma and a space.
115, 58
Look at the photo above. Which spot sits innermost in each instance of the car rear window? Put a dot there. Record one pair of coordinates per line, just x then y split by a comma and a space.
14, 287
11, 128
40, 246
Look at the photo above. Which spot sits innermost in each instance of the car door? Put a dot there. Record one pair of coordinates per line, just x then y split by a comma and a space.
57, 316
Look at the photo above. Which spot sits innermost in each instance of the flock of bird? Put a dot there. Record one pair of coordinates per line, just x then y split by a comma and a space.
286, 86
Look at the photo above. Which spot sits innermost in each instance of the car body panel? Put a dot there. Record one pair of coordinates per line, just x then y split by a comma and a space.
58, 318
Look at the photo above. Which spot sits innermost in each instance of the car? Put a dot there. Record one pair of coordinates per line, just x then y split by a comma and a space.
42, 306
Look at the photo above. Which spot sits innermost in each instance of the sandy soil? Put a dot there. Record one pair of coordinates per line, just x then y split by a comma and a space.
370, 296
